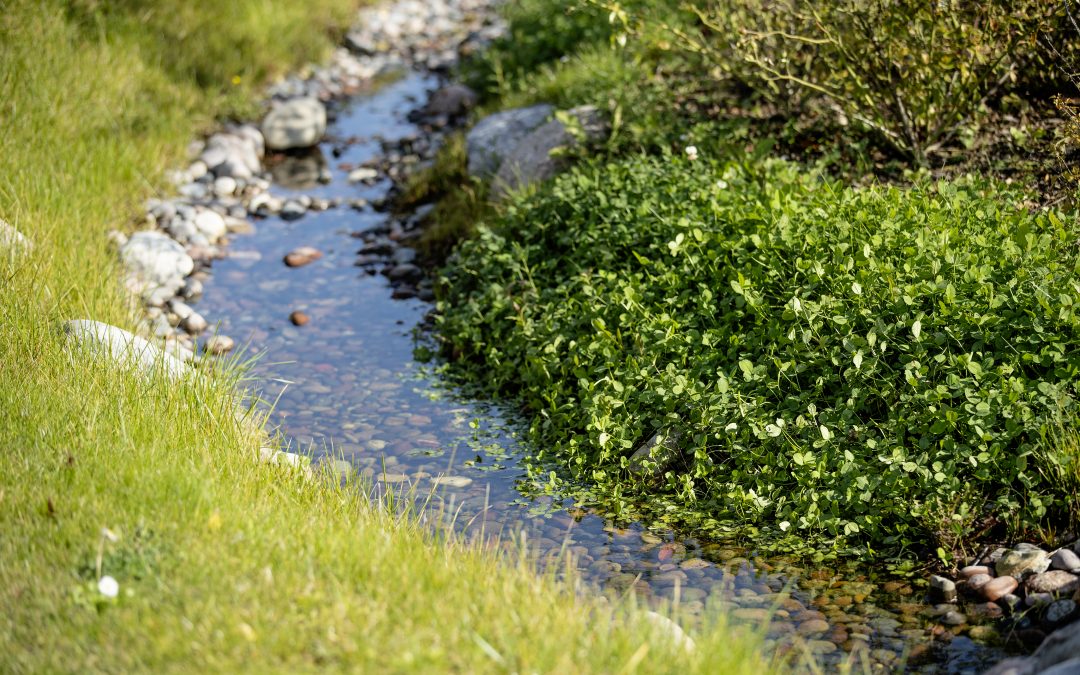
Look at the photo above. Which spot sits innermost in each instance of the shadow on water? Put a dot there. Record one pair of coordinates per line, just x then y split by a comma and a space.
346, 385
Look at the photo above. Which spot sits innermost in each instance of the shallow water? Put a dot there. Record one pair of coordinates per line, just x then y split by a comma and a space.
346, 385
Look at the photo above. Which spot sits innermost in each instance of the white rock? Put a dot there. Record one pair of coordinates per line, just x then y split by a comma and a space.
123, 348
364, 173
225, 186
233, 154
197, 169
671, 630
194, 323
12, 241
295, 123
210, 224
452, 481
156, 266
220, 344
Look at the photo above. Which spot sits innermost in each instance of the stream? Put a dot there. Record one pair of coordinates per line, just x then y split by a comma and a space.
346, 389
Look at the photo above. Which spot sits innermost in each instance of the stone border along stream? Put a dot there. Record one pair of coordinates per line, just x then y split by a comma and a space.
1033, 592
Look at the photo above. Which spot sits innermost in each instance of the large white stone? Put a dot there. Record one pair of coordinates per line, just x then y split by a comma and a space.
122, 348
295, 123
13, 242
156, 266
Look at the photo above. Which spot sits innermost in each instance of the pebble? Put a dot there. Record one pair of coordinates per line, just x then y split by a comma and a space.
953, 619
296, 123
219, 344
298, 318
974, 570
452, 481
302, 256
999, 587
813, 627
363, 175
1060, 611
194, 323
1065, 559
293, 210
977, 581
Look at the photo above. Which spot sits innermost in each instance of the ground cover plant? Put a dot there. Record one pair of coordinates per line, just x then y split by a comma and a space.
873, 369
221, 564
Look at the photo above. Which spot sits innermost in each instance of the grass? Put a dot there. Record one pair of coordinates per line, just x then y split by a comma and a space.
223, 564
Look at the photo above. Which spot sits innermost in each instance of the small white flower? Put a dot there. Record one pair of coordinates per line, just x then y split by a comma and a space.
108, 586
721, 184
691, 152
109, 535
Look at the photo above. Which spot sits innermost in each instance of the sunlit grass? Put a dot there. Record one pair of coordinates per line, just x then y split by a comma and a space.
223, 564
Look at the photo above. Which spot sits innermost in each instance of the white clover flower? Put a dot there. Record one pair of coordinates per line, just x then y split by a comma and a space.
109, 535
691, 152
721, 184
108, 586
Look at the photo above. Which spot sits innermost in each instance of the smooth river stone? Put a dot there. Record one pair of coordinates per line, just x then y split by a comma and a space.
974, 570
998, 588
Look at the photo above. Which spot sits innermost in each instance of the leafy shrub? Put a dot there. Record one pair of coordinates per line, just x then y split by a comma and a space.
920, 74
838, 363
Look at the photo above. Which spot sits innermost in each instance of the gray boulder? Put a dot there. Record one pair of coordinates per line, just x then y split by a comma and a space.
295, 123
156, 266
122, 348
496, 136
536, 159
453, 100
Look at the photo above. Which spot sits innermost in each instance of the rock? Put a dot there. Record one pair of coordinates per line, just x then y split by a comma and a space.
293, 210
1060, 612
1065, 559
452, 481
295, 123
1015, 666
453, 100
1038, 599
123, 348
534, 159
225, 186
298, 318
495, 136
1056, 582
211, 224
978, 581
403, 256
942, 589
156, 266
670, 630
974, 570
194, 323
405, 272
191, 289
1070, 667
13, 242
751, 615
953, 619
219, 344
813, 627
998, 588
236, 155
662, 448
1062, 645
302, 256
363, 175
1022, 561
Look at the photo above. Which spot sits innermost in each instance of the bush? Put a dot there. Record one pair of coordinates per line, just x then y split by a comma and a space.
919, 74
837, 364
